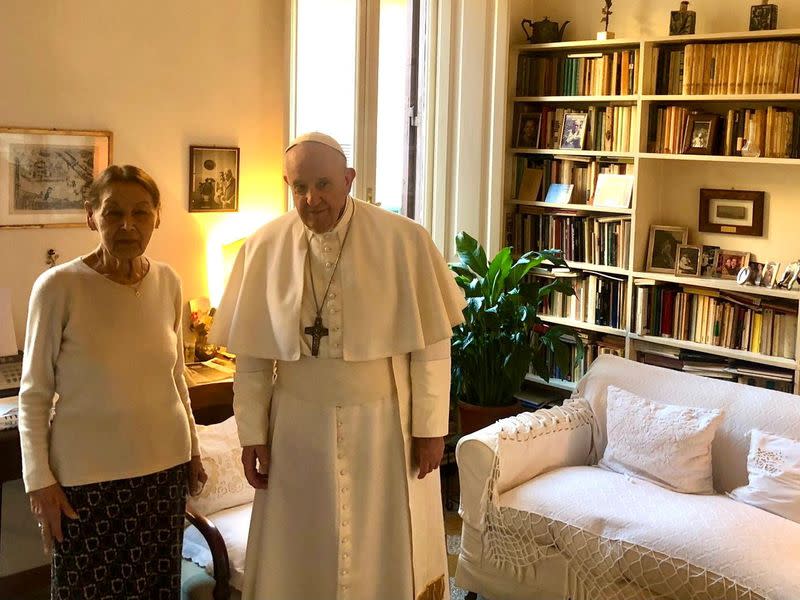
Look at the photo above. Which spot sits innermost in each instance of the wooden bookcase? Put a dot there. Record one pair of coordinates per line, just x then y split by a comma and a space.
666, 188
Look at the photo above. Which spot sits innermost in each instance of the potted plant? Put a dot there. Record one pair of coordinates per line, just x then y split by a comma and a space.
502, 337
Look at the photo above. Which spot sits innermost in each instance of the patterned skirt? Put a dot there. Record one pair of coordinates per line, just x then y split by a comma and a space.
127, 543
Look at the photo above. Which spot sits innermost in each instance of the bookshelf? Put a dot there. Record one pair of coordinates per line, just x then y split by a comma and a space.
666, 186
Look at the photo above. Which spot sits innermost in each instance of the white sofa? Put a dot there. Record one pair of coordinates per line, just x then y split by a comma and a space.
539, 521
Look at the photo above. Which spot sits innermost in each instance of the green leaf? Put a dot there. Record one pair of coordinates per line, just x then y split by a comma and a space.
471, 253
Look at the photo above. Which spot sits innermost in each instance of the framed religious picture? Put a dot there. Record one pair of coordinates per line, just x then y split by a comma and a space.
708, 259
213, 179
45, 175
730, 262
770, 274
701, 133
662, 252
737, 212
687, 263
573, 131
528, 126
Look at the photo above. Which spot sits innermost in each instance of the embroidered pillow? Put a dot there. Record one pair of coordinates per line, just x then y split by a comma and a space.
226, 486
662, 443
773, 466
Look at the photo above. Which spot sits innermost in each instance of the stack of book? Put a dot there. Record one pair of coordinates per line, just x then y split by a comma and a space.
591, 74
728, 68
599, 299
717, 318
608, 128
579, 171
716, 367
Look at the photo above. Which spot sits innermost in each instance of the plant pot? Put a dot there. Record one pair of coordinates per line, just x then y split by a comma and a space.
473, 417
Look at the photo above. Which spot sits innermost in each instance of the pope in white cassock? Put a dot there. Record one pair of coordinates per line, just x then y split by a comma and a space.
340, 314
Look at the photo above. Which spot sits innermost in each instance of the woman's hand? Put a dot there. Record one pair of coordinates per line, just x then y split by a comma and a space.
47, 505
197, 476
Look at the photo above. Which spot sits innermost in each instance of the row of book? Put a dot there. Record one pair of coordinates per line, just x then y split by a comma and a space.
718, 318
729, 68
716, 367
596, 240
594, 345
774, 130
599, 299
581, 172
591, 74
599, 128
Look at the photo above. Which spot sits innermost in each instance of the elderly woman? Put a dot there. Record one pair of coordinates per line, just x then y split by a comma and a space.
107, 476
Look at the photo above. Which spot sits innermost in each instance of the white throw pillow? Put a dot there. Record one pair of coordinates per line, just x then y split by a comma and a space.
662, 443
773, 466
226, 486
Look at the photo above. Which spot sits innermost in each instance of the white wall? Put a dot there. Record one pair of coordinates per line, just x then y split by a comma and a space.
161, 75
644, 18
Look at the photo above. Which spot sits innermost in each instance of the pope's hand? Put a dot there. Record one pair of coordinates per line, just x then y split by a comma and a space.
255, 460
47, 505
428, 452
197, 476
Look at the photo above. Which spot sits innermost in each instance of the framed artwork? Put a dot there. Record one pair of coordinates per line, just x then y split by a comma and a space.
688, 261
701, 133
757, 272
770, 274
213, 179
45, 175
708, 259
662, 252
730, 262
731, 211
528, 126
573, 131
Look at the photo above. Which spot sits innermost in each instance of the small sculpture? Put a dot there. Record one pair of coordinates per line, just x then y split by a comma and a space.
607, 12
682, 22
763, 16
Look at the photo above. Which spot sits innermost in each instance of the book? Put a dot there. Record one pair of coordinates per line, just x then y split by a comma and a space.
559, 193
613, 190
530, 185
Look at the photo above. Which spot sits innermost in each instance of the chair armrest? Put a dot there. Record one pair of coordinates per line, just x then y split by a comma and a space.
219, 553
515, 450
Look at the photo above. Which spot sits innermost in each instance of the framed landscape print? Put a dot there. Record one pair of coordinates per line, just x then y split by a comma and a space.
731, 211
45, 175
213, 179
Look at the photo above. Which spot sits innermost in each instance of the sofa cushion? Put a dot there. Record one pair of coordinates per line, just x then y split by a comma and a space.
234, 526
774, 469
666, 444
616, 531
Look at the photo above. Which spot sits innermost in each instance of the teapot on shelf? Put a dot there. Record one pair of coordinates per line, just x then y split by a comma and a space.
543, 32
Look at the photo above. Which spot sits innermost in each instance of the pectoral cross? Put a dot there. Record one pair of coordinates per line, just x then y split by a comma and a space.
317, 332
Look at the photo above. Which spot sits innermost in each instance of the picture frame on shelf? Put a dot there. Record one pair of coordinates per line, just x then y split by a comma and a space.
757, 270
662, 250
708, 260
528, 129
573, 131
770, 274
213, 179
737, 212
701, 133
730, 262
45, 175
688, 263
789, 275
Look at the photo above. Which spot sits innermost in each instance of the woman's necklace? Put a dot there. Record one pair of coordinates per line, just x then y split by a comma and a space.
317, 331
136, 286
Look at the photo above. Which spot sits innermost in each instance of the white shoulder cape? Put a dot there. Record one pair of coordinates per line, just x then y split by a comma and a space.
398, 294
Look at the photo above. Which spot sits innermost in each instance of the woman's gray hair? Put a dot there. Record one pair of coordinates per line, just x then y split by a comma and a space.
123, 174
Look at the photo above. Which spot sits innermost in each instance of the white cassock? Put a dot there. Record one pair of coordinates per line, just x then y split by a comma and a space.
344, 515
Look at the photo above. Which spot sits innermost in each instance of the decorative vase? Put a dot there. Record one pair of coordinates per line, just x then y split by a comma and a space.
763, 16
751, 149
682, 21
473, 417
202, 349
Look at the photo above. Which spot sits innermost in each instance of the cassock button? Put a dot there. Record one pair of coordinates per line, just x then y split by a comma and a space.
328, 265
331, 295
327, 248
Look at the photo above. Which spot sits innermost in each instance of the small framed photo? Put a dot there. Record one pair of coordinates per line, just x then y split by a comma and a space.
213, 179
757, 272
770, 274
662, 252
708, 260
528, 126
730, 262
738, 212
789, 276
45, 175
688, 262
573, 131
701, 133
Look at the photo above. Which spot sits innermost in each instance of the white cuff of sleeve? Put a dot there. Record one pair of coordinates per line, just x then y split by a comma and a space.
430, 398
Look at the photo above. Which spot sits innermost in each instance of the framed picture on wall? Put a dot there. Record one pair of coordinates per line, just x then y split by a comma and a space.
213, 179
738, 212
45, 175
